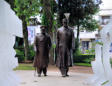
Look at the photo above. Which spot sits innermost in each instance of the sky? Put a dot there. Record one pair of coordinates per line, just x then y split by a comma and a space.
107, 4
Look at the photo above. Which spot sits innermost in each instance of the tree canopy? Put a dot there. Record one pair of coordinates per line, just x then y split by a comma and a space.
78, 9
81, 14
25, 9
11, 2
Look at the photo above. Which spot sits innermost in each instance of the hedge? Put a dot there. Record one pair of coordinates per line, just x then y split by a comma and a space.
21, 56
83, 58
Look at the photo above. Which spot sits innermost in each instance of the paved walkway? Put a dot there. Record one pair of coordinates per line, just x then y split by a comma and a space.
53, 79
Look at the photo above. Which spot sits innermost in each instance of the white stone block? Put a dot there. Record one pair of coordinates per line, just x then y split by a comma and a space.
10, 26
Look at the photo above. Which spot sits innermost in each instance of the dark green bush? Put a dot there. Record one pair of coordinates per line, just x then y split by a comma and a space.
31, 53
20, 55
111, 61
83, 58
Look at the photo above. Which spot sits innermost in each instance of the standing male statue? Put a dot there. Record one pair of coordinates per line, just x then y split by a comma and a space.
42, 45
64, 46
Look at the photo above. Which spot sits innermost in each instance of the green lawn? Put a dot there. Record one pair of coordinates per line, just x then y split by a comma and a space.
83, 64
30, 66
25, 67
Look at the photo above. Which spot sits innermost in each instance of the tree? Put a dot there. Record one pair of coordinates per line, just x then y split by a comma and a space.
11, 2
24, 10
89, 23
47, 15
48, 19
81, 13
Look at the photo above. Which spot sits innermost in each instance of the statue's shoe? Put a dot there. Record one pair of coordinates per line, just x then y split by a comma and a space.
67, 75
45, 75
63, 75
39, 75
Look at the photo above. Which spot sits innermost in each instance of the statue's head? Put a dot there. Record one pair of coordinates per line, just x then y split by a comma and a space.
43, 29
65, 22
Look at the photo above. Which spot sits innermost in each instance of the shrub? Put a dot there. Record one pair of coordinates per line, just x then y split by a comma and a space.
53, 46
83, 58
20, 55
77, 52
111, 61
31, 53
91, 51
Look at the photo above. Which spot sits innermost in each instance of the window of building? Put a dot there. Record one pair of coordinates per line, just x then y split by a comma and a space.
85, 45
105, 19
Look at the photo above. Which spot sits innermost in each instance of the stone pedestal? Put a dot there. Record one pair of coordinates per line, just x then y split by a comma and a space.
10, 27
101, 66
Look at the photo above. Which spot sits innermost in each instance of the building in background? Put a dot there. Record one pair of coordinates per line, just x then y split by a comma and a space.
87, 39
33, 29
104, 16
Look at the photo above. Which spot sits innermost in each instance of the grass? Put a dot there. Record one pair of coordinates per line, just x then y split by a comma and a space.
105, 83
25, 67
83, 64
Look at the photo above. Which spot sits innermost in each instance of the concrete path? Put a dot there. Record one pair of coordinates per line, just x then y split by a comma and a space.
53, 79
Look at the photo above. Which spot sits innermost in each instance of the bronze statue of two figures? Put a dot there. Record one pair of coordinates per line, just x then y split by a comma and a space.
64, 47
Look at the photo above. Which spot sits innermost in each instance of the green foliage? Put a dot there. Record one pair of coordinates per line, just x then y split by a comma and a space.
45, 20
89, 23
83, 58
100, 43
111, 62
77, 52
54, 46
31, 53
21, 56
81, 13
105, 82
54, 6
11, 2
25, 67
83, 64
26, 8
48, 10
78, 9
76, 45
91, 51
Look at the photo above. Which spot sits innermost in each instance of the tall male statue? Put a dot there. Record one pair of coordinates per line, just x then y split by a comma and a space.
64, 46
42, 45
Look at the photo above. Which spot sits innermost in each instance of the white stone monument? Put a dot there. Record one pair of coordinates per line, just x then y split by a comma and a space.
10, 26
101, 66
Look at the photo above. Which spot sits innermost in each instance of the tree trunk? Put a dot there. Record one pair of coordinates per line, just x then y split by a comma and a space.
51, 58
77, 40
78, 32
47, 10
25, 38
